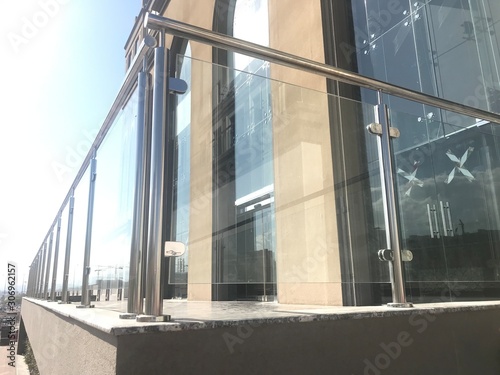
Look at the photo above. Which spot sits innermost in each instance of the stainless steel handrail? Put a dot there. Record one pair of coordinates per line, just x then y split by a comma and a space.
215, 39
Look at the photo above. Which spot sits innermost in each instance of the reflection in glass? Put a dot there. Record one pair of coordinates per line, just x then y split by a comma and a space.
449, 213
448, 49
244, 246
182, 180
113, 208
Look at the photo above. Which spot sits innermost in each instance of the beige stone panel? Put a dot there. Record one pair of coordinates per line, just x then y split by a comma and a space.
299, 33
200, 231
200, 225
307, 249
182, 10
301, 115
194, 12
200, 292
201, 151
307, 252
311, 293
291, 245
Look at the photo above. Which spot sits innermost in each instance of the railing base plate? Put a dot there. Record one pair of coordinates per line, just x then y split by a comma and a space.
128, 316
85, 306
406, 305
153, 318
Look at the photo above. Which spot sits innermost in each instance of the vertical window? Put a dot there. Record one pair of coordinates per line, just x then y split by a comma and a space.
253, 149
244, 261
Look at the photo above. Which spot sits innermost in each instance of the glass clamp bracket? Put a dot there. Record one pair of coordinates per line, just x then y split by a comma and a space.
387, 255
376, 129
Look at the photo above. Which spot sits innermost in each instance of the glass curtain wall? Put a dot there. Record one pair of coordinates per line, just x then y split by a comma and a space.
450, 219
426, 46
243, 213
447, 48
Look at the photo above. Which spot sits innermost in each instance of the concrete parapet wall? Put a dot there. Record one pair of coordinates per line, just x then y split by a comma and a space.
447, 344
428, 340
63, 346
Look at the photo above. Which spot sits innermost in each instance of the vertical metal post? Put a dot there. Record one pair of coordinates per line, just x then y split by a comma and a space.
64, 294
35, 274
47, 271
154, 299
397, 281
30, 279
28, 285
41, 270
263, 253
88, 236
56, 260
29, 282
139, 224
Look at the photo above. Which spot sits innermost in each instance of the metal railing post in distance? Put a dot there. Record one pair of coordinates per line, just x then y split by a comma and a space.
28, 286
44, 261
41, 271
88, 235
391, 209
47, 269
153, 309
64, 293
56, 260
30, 281
215, 39
35, 274
135, 302
38, 267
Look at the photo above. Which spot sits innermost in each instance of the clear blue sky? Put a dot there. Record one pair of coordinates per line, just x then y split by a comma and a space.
61, 65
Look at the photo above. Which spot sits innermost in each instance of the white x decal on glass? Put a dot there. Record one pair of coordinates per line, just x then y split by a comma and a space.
459, 165
412, 180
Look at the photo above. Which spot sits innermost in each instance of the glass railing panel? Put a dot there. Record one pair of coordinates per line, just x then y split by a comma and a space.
270, 215
450, 220
359, 196
113, 211
277, 195
78, 235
